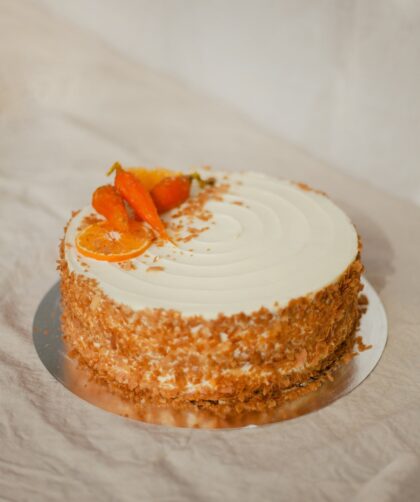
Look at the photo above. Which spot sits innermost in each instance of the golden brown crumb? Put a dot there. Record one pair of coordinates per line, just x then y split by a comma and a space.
361, 347
126, 265
363, 300
307, 188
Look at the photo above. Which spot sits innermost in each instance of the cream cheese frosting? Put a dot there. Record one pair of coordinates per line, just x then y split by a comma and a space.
269, 241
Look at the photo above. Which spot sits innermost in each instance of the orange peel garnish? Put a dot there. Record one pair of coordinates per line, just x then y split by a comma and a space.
102, 242
151, 177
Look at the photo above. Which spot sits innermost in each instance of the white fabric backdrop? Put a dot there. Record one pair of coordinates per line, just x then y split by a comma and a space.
70, 106
340, 79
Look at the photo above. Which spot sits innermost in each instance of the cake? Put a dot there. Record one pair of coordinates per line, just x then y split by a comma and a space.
251, 298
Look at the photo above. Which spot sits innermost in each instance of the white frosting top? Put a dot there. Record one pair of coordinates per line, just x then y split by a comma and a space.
280, 242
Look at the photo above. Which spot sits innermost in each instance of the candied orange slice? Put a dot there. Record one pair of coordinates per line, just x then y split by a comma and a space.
151, 177
102, 242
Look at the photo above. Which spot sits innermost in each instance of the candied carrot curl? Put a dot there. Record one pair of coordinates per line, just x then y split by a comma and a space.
133, 191
171, 192
108, 202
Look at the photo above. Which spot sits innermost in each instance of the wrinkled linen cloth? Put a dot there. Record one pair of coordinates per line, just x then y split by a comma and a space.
69, 107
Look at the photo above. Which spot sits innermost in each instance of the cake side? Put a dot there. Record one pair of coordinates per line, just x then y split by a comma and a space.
237, 362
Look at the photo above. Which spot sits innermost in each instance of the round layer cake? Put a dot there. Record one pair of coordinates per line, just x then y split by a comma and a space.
254, 301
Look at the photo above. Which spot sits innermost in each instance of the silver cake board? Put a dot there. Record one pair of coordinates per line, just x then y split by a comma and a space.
49, 345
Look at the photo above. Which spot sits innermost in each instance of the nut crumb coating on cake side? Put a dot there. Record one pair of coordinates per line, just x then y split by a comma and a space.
231, 363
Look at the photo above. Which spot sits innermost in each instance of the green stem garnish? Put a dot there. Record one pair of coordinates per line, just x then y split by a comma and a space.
115, 166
